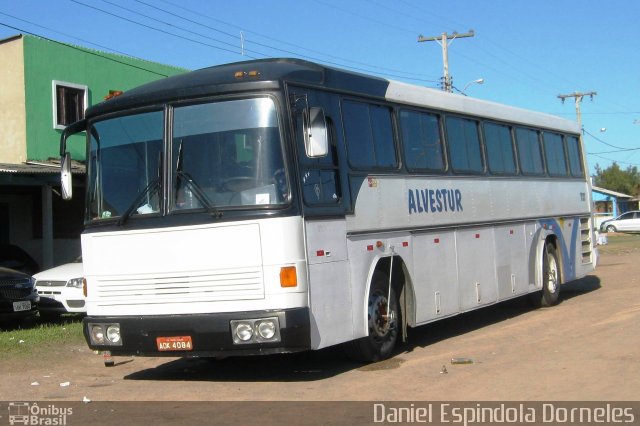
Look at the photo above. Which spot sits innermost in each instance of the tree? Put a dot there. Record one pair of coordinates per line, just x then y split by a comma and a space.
614, 178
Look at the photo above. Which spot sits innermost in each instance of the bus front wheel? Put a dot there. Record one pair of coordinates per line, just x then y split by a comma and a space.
383, 323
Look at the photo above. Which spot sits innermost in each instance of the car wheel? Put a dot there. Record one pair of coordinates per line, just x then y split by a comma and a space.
611, 228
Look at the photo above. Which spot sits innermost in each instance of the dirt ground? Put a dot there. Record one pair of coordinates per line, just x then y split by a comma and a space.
586, 348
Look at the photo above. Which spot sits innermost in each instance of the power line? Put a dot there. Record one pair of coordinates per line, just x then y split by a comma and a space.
84, 50
601, 141
182, 28
613, 161
155, 29
68, 35
372, 68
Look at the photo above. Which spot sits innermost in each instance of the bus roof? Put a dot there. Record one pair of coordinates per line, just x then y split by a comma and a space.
269, 74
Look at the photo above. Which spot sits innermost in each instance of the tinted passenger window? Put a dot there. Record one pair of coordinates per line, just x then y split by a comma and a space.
421, 141
497, 139
554, 153
369, 135
575, 162
464, 145
529, 154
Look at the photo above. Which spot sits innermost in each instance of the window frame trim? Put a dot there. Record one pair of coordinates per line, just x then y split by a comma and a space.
54, 86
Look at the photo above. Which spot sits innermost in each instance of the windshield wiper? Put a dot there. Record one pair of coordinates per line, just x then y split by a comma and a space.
195, 188
155, 183
199, 193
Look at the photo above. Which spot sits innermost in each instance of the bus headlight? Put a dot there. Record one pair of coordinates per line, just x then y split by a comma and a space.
266, 329
113, 333
258, 330
97, 334
105, 334
244, 332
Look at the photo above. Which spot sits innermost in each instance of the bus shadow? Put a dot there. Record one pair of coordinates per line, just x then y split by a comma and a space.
330, 362
579, 287
447, 328
297, 367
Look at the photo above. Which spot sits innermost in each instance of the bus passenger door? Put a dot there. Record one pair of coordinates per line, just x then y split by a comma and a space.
325, 226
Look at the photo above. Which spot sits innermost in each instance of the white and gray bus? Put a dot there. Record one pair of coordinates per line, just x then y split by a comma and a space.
279, 205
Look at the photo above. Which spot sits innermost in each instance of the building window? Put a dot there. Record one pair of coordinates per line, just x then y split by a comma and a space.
69, 103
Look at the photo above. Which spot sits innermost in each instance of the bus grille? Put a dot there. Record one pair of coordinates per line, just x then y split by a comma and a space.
223, 285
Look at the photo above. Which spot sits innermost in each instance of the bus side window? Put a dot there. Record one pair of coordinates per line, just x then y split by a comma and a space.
573, 149
529, 152
369, 134
465, 151
554, 154
319, 175
421, 141
500, 154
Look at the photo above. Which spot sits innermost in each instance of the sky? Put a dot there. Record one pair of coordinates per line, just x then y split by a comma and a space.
527, 52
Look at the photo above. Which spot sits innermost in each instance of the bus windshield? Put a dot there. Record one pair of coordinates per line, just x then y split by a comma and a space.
222, 155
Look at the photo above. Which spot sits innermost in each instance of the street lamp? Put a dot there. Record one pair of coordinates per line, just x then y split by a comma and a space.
478, 81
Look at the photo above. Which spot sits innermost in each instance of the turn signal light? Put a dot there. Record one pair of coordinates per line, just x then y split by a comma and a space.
288, 276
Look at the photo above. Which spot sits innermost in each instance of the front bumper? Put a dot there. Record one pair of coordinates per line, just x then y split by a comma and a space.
210, 333
7, 311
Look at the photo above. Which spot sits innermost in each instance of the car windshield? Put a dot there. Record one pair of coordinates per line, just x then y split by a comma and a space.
221, 155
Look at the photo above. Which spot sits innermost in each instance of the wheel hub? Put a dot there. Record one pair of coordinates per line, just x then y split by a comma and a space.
552, 276
379, 321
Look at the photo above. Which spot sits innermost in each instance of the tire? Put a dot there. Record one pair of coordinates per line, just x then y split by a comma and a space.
383, 333
611, 228
551, 279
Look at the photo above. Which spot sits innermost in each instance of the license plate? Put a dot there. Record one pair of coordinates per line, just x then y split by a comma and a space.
24, 305
174, 343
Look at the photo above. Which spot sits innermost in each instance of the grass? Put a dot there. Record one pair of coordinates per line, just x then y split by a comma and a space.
621, 243
34, 336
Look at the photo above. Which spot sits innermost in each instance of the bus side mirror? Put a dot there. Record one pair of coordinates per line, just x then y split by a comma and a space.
65, 176
316, 143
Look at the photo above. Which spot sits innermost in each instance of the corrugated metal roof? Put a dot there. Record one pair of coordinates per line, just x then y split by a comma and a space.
609, 192
40, 167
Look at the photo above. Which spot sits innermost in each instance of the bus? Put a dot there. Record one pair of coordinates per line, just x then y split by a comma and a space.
279, 205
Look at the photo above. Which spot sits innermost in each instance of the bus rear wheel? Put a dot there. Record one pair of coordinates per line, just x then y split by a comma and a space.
383, 323
550, 278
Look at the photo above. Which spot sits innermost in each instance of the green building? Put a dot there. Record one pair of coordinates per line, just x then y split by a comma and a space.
44, 86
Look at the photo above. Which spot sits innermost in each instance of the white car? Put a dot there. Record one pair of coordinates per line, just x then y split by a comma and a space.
626, 222
60, 289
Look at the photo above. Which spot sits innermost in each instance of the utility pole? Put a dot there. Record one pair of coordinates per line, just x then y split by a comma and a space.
578, 97
443, 41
